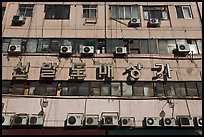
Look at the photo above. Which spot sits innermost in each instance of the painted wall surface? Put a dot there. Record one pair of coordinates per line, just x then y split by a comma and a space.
75, 27
58, 108
181, 70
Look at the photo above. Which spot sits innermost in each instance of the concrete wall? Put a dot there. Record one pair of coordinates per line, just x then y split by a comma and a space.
58, 108
75, 27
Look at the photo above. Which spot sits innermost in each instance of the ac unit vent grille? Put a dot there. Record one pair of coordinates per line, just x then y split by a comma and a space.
72, 120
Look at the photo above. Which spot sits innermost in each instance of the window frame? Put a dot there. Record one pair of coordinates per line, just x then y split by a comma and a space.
182, 9
147, 12
89, 11
25, 8
58, 10
118, 10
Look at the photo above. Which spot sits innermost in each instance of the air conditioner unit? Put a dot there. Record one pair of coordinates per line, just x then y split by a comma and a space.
185, 121
110, 120
169, 122
86, 49
18, 20
152, 121
127, 121
183, 48
198, 121
20, 120
6, 120
153, 22
121, 50
14, 48
134, 22
65, 49
36, 120
91, 120
75, 119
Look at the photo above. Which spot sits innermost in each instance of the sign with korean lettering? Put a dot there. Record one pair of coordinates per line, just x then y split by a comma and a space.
48, 70
106, 70
134, 71
21, 71
163, 70
78, 71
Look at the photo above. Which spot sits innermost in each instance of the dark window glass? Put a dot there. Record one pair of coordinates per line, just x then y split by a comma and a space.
65, 90
148, 89
191, 89
57, 11
138, 89
5, 45
199, 86
5, 87
43, 46
84, 89
31, 46
180, 89
40, 89
95, 88
105, 89
73, 89
51, 89
126, 89
55, 45
159, 12
169, 89
115, 89
159, 89
26, 9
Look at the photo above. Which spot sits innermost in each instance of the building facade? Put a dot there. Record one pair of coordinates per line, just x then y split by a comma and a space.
131, 60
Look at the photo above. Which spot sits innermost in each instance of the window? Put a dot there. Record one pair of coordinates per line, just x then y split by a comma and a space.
105, 89
5, 45
43, 46
191, 89
95, 88
124, 12
51, 89
159, 12
115, 89
57, 11
127, 89
3, 11
73, 89
84, 89
159, 89
180, 89
148, 89
166, 46
31, 46
55, 45
26, 10
199, 86
193, 46
169, 89
184, 12
199, 44
138, 89
90, 11
5, 87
